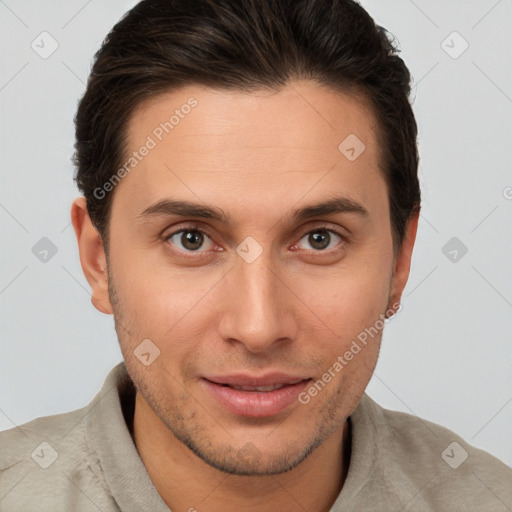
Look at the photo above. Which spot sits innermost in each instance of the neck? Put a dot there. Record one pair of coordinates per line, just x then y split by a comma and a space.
185, 482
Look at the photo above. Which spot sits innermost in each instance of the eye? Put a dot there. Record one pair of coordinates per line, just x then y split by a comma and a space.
190, 239
320, 239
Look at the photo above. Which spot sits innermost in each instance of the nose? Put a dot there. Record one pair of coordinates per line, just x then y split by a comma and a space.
258, 306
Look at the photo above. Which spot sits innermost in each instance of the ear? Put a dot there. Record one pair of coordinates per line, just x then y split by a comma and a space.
402, 263
92, 255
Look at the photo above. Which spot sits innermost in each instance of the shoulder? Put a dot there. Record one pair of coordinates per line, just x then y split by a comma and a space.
46, 464
433, 465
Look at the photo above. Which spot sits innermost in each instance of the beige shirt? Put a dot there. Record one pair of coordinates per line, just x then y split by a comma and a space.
85, 460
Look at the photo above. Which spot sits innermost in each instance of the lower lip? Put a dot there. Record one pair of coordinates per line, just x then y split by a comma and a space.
255, 404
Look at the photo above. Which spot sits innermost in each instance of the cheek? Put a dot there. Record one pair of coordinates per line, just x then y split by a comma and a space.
174, 314
349, 300
157, 296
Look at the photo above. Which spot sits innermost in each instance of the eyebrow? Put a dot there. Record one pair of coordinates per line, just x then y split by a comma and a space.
170, 207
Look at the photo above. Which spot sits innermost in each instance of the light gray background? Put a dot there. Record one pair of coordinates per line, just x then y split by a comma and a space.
446, 357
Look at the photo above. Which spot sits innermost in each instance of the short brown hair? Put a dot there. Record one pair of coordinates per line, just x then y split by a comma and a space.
161, 45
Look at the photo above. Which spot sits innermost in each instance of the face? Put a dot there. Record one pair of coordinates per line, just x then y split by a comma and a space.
221, 261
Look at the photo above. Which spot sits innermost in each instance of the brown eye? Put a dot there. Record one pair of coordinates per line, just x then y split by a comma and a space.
320, 239
190, 240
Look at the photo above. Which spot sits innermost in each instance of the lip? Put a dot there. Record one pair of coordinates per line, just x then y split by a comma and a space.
255, 404
244, 379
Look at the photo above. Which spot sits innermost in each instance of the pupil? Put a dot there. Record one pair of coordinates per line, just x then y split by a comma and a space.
189, 238
319, 239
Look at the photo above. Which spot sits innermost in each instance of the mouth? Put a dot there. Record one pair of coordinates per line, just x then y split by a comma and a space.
261, 389
255, 397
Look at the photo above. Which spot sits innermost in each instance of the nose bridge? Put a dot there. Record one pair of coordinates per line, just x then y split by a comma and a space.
257, 312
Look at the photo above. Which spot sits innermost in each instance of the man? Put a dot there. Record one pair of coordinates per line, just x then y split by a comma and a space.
251, 205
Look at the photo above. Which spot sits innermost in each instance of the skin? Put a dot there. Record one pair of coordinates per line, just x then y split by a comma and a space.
295, 309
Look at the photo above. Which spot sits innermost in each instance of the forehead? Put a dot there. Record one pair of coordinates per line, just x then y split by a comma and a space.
303, 111
233, 148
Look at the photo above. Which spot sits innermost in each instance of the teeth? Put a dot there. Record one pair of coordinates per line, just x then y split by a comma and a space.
272, 387
258, 388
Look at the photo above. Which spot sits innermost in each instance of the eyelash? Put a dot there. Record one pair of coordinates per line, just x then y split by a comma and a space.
197, 228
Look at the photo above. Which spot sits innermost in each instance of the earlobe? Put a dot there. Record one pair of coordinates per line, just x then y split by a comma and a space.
92, 255
402, 263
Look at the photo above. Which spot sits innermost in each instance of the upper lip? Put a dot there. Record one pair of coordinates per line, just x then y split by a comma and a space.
244, 379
